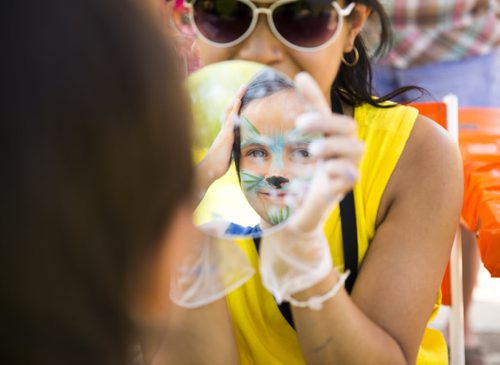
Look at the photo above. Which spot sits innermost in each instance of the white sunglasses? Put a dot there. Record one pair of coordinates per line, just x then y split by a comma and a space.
299, 24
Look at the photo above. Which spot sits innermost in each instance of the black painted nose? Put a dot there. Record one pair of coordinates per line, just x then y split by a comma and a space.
277, 181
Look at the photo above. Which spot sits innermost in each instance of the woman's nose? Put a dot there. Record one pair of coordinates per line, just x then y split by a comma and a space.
262, 46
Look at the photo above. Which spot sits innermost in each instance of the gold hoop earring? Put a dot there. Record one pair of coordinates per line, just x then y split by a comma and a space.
353, 62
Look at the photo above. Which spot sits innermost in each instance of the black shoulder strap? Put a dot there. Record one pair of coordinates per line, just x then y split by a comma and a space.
349, 239
348, 221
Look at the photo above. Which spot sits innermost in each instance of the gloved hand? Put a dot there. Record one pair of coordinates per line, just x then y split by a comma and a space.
211, 267
296, 256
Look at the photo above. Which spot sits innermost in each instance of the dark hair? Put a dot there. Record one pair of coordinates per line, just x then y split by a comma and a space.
95, 156
354, 84
265, 83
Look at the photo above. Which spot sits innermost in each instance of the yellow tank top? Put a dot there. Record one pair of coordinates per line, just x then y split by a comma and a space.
262, 333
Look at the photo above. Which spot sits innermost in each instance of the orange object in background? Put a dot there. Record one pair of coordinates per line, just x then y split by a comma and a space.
483, 122
480, 146
445, 286
480, 178
435, 111
489, 233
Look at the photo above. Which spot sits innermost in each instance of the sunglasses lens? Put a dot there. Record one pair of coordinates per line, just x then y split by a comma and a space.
222, 21
306, 24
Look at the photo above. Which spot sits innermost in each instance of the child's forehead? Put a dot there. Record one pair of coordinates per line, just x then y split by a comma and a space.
283, 98
274, 112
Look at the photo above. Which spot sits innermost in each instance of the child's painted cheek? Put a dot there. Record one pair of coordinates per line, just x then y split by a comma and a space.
255, 166
251, 181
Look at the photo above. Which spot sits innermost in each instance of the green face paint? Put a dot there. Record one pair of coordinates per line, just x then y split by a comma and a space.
277, 215
251, 182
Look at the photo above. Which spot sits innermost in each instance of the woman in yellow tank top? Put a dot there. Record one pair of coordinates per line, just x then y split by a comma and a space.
407, 198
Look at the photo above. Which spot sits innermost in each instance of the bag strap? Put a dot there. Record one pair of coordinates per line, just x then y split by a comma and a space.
349, 239
347, 220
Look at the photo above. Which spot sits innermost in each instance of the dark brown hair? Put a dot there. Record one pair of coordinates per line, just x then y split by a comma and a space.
354, 84
95, 156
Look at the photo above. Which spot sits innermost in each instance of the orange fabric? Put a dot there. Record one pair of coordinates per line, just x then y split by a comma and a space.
481, 121
480, 147
435, 111
445, 286
480, 178
489, 233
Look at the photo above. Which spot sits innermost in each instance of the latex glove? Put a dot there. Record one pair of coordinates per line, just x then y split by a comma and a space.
211, 268
296, 256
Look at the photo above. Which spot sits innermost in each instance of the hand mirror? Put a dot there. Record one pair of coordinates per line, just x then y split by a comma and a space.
253, 164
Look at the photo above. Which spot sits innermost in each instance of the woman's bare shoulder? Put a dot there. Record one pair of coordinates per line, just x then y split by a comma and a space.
430, 165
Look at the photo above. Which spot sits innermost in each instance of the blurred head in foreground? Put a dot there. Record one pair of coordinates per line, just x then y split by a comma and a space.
95, 178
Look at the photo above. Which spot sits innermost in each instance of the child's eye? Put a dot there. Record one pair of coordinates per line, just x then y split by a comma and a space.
300, 153
257, 153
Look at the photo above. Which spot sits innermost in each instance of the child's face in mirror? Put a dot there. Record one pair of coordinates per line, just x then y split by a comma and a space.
274, 160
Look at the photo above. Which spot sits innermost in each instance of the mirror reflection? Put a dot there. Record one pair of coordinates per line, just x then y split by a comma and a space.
253, 163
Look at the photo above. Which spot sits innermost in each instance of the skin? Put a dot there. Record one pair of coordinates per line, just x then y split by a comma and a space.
272, 147
397, 285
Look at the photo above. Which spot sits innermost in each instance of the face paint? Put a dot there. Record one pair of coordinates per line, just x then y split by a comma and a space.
263, 163
250, 135
274, 161
273, 144
277, 215
253, 185
251, 182
295, 136
278, 147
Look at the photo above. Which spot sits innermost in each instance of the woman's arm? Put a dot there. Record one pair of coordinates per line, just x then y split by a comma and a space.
384, 319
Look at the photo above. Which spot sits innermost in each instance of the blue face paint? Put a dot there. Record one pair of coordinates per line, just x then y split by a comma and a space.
277, 150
